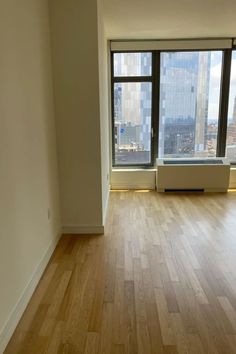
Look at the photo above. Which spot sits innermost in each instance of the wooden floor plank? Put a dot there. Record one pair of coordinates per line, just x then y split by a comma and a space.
162, 279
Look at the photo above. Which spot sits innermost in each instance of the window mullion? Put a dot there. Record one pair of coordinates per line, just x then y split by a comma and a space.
132, 79
224, 103
155, 102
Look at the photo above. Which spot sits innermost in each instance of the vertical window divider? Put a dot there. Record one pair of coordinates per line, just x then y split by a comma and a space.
112, 108
155, 102
224, 103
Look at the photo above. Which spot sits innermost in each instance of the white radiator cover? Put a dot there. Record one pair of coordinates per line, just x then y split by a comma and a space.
208, 177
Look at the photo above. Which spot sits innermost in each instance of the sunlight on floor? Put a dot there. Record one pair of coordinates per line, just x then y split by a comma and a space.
119, 190
143, 191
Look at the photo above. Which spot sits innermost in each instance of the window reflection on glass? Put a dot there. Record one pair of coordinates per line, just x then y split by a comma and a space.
132, 122
189, 103
231, 131
132, 64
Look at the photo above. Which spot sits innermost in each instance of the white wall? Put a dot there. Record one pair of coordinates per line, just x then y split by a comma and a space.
232, 181
28, 166
169, 19
104, 112
76, 85
133, 179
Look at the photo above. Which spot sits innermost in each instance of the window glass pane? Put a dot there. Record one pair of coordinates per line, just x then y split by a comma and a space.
132, 64
189, 103
132, 120
231, 132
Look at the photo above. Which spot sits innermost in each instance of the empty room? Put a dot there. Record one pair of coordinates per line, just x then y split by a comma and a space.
117, 177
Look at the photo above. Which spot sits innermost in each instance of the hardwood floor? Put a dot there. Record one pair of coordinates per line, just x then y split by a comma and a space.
161, 280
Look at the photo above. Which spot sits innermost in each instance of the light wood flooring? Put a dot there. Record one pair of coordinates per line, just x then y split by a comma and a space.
161, 280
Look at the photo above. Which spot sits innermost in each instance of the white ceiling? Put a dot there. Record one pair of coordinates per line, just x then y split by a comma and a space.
132, 19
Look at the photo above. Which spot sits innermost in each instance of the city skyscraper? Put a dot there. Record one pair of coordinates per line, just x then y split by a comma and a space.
133, 102
234, 112
203, 79
184, 129
184, 92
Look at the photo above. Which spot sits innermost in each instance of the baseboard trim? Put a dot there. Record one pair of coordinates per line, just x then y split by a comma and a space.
19, 308
83, 229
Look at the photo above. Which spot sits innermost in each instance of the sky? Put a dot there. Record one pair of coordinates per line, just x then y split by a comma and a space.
214, 88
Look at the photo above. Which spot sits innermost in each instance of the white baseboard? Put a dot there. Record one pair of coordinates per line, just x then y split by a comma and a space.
19, 308
83, 229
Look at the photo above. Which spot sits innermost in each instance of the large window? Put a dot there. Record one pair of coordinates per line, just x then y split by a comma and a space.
189, 103
231, 131
132, 108
172, 104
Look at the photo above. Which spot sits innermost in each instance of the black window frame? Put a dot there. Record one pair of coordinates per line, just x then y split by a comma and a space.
130, 79
232, 162
155, 80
